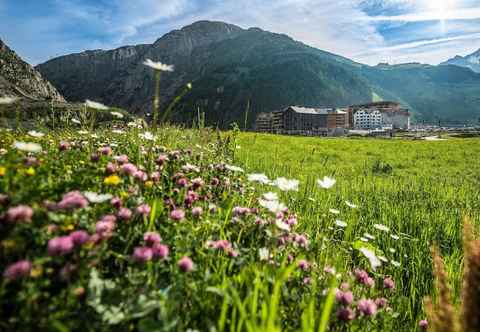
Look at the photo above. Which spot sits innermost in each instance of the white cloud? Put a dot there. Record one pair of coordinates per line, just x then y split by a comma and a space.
457, 14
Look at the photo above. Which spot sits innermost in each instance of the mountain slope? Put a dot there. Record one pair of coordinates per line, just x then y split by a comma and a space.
471, 61
231, 67
19, 79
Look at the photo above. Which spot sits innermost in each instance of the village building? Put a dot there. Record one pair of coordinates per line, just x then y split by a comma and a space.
393, 115
367, 119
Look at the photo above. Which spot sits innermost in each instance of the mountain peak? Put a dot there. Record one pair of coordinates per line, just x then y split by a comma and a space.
471, 61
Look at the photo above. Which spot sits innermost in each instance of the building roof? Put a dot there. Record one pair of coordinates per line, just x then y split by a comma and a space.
306, 110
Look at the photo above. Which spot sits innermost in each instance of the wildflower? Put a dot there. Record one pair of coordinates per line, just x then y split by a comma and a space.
381, 302
72, 200
190, 168
30, 171
27, 146
129, 169
3, 170
104, 228
118, 115
185, 264
382, 228
301, 240
155, 176
369, 236
76, 121
147, 136
395, 263
143, 209
17, 270
372, 257
60, 245
160, 251
151, 239
341, 223
351, 205
388, 283
272, 206
363, 277
344, 286
345, 314
423, 324
281, 225
140, 175
97, 198
36, 134
367, 307
260, 178
112, 180
79, 237
270, 196
158, 65
197, 211
142, 254
20, 213
286, 184
182, 182
63, 146
161, 159
124, 214
122, 159
264, 254
7, 100
234, 168
116, 202
334, 211
177, 214
303, 264
345, 298
395, 237
95, 105
327, 182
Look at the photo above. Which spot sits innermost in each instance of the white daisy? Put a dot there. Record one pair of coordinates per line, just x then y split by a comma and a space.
327, 182
369, 236
190, 168
147, 136
382, 228
234, 168
95, 105
97, 198
383, 259
341, 223
286, 184
334, 211
272, 206
76, 121
395, 263
264, 254
158, 65
27, 146
281, 225
270, 196
351, 205
260, 178
372, 258
34, 133
395, 237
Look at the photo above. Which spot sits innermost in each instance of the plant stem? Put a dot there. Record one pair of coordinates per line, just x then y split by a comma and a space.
156, 99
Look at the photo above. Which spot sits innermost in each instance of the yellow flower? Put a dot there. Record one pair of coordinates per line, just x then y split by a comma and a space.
30, 171
8, 244
149, 184
70, 227
3, 170
124, 194
112, 180
36, 271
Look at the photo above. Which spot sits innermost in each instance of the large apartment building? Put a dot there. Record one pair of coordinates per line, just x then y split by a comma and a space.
393, 115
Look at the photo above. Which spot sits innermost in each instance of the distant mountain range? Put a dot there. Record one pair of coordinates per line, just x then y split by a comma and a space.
231, 67
19, 79
471, 61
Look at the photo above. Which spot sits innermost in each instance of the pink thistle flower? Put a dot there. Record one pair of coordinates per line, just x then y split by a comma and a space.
160, 251
143, 209
129, 169
345, 298
215, 182
388, 283
367, 307
423, 324
122, 159
151, 239
141, 176
161, 159
381, 302
346, 314
116, 202
17, 270
142, 254
30, 161
344, 286
301, 241
197, 183
363, 277
240, 211
182, 182
105, 150
64, 145
79, 237
124, 214
303, 265
185, 264
197, 211
110, 168
177, 214
105, 228
72, 200
60, 245
94, 158
155, 176
20, 213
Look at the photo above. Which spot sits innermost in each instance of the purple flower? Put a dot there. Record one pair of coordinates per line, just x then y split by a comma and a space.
367, 307
388, 283
345, 298
94, 158
60, 245
185, 264
142, 254
20, 213
301, 241
151, 239
116, 202
105, 150
303, 264
110, 168
215, 182
240, 211
140, 175
177, 214
129, 169
155, 176
344, 286
182, 182
143, 209
124, 214
17, 270
72, 200
161, 159
104, 228
363, 277
79, 237
197, 211
423, 324
197, 183
381, 302
63, 146
345, 314
122, 159
160, 251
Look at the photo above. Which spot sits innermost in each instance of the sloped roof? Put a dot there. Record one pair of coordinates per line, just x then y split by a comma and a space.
307, 110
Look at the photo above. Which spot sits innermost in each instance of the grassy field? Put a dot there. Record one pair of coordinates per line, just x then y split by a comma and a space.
130, 230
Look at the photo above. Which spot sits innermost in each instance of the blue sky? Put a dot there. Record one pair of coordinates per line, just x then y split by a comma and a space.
369, 31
